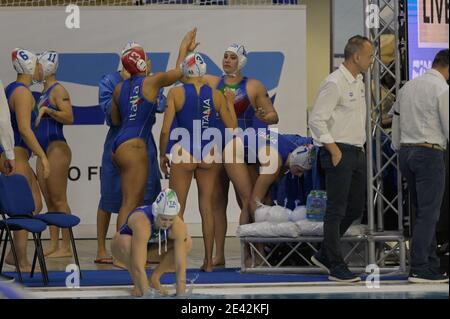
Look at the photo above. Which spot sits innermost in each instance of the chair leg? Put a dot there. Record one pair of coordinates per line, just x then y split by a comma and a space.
33, 266
3, 250
74, 250
41, 258
13, 249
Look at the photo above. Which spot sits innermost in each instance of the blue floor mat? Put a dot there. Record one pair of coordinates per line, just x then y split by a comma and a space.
219, 276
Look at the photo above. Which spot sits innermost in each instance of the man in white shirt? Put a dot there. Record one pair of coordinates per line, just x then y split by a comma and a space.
338, 126
420, 131
6, 134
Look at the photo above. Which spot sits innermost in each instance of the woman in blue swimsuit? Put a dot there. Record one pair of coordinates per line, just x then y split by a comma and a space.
21, 103
134, 243
133, 108
195, 105
54, 111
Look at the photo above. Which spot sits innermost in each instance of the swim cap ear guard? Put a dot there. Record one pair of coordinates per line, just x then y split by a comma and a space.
49, 61
133, 60
131, 45
166, 203
24, 61
194, 65
302, 156
239, 50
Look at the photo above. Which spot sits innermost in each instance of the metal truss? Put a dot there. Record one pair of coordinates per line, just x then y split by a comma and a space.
380, 158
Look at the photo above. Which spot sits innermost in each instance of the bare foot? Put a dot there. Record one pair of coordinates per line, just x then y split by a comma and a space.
207, 267
219, 262
61, 253
156, 284
118, 264
49, 250
136, 292
23, 265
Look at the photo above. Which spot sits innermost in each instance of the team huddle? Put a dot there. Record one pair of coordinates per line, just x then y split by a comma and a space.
215, 129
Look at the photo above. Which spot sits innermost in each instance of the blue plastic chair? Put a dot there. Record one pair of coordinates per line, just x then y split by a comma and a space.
17, 206
61, 220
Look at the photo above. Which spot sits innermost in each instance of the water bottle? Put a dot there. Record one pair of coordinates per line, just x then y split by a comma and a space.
316, 206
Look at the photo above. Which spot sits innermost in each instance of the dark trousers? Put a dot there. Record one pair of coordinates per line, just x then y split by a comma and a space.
424, 170
346, 197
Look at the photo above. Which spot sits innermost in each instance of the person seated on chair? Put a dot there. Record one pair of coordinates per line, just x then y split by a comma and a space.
132, 245
278, 155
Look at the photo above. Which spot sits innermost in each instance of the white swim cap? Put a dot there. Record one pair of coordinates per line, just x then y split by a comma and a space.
193, 65
49, 61
166, 203
24, 61
302, 156
239, 50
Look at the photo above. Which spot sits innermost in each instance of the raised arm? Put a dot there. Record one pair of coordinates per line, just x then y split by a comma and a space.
163, 79
169, 115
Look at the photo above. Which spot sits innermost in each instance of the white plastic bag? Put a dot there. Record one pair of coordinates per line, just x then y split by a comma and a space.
299, 213
308, 228
261, 213
278, 214
267, 229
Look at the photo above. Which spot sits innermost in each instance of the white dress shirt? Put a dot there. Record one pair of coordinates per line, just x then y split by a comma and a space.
421, 111
339, 112
6, 131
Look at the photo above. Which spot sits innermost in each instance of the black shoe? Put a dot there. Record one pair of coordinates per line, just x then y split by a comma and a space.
427, 276
4, 278
341, 273
320, 261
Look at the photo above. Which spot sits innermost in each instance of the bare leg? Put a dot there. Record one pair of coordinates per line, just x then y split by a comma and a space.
131, 157
206, 176
259, 192
103, 219
220, 203
167, 264
59, 156
239, 175
54, 231
121, 251
181, 178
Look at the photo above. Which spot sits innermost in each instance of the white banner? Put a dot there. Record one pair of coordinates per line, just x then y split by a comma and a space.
275, 39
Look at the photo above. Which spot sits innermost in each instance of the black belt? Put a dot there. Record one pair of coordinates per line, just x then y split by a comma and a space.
349, 147
427, 145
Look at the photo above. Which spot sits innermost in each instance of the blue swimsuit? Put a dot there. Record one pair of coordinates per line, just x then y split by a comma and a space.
137, 114
283, 143
155, 233
197, 115
18, 140
49, 129
245, 114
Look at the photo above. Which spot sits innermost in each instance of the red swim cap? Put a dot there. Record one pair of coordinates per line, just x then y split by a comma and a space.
133, 60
